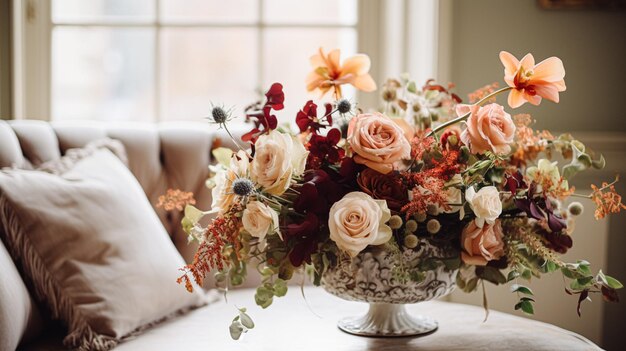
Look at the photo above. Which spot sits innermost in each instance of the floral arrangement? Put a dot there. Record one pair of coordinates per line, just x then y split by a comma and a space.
423, 167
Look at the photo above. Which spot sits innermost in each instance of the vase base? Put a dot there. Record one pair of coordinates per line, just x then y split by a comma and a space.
387, 320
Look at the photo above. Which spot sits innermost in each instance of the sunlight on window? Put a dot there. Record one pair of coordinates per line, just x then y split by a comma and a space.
154, 60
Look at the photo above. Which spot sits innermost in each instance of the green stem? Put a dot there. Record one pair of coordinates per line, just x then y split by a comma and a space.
465, 116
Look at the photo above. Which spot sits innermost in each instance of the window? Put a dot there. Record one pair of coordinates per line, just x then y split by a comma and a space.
160, 60
169, 60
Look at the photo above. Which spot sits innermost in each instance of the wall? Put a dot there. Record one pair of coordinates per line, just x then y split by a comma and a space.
592, 46
5, 59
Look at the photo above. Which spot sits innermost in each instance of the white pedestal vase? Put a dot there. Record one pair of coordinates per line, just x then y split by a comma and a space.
371, 277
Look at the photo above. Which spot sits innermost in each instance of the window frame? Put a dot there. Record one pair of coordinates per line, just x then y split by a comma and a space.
385, 30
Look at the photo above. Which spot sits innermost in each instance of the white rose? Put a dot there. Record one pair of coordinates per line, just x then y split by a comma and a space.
259, 219
278, 157
222, 194
485, 203
357, 220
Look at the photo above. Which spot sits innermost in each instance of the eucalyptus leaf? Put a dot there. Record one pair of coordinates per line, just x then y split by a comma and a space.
236, 329
280, 288
246, 321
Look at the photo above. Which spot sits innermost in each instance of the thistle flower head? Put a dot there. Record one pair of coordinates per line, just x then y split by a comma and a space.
242, 187
220, 115
344, 106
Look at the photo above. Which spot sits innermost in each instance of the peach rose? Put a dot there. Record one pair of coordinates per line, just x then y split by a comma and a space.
357, 220
489, 128
258, 219
481, 245
278, 157
377, 141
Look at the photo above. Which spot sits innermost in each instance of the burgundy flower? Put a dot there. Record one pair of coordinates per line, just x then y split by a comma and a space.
388, 187
307, 120
275, 97
261, 115
324, 148
304, 236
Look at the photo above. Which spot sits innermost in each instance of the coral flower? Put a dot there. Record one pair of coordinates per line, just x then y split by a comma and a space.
532, 82
328, 74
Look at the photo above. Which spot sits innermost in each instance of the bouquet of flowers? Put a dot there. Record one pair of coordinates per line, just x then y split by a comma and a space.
423, 167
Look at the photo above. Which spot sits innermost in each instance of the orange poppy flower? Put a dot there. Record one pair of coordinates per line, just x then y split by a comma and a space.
532, 82
328, 74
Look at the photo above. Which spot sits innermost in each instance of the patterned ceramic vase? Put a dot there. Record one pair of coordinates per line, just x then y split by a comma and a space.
371, 277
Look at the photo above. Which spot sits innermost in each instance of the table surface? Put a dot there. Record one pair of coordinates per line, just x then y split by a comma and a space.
292, 323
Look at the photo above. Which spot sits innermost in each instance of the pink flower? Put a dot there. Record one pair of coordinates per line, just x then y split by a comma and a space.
377, 141
489, 128
532, 82
481, 245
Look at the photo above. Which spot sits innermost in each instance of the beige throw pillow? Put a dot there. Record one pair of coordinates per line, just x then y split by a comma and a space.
93, 247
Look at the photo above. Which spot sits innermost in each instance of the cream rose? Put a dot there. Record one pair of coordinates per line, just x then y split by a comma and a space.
489, 128
259, 219
482, 244
377, 141
222, 194
485, 203
278, 158
357, 220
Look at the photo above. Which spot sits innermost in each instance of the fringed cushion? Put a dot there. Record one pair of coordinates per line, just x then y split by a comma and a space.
96, 253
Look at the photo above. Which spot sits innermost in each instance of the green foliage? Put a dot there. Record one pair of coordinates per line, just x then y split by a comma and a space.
526, 306
580, 160
240, 324
521, 289
491, 274
264, 296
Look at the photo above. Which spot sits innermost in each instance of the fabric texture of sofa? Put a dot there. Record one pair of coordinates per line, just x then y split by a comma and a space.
160, 156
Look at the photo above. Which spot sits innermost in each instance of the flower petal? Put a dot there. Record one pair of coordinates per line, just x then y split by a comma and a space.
365, 83
516, 98
549, 92
358, 64
528, 62
549, 70
332, 60
509, 61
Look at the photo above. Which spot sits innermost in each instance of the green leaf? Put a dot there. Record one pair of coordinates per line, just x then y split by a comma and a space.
525, 306
246, 321
263, 296
599, 164
525, 298
550, 267
512, 275
580, 283
614, 283
412, 87
280, 288
521, 289
222, 155
236, 329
